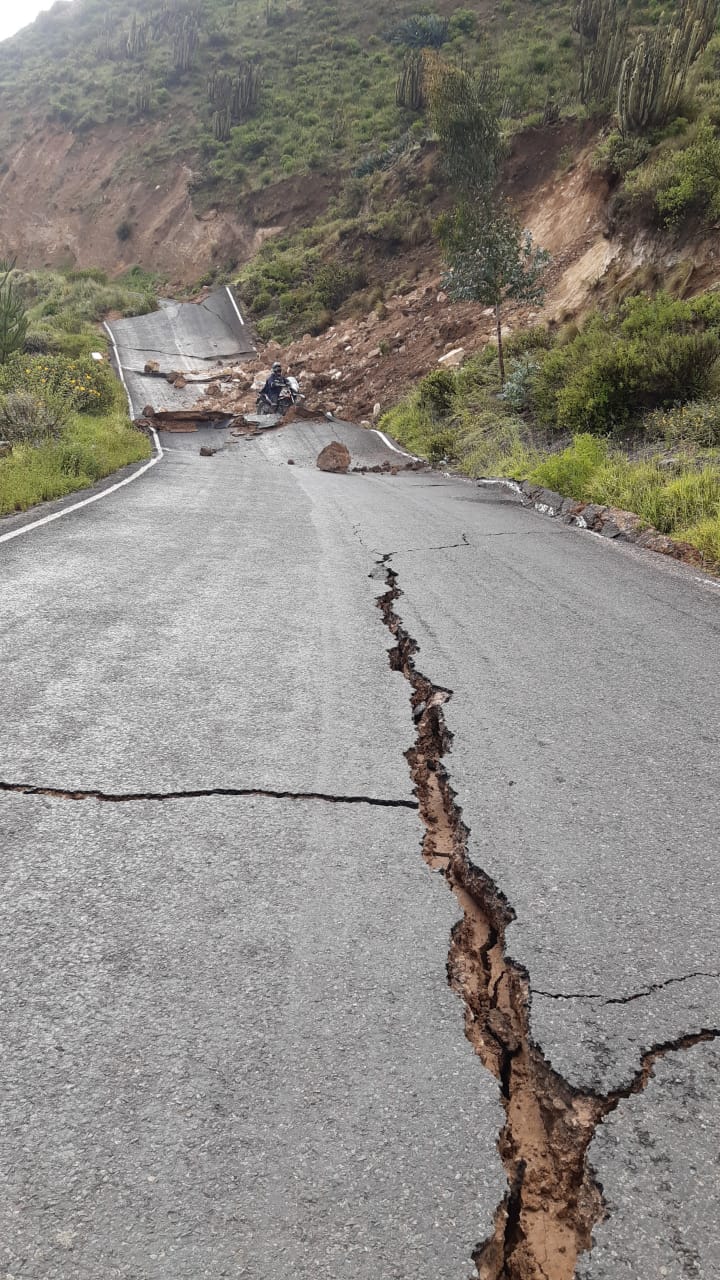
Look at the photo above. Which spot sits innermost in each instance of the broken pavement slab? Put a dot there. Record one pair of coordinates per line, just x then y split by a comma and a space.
182, 337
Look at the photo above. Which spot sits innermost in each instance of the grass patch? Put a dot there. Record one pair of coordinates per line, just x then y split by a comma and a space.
64, 412
680, 498
667, 470
88, 449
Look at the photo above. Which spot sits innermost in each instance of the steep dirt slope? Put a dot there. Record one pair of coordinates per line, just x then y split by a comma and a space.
63, 201
359, 363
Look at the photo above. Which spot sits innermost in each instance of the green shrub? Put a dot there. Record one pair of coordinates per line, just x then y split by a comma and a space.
627, 376
124, 230
463, 22
83, 384
26, 418
333, 283
41, 342
519, 343
421, 31
696, 423
616, 156
571, 471
436, 393
441, 446
517, 391
650, 353
680, 181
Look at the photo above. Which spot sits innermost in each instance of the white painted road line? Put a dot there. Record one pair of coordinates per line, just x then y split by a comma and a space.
95, 497
237, 309
121, 375
113, 488
394, 447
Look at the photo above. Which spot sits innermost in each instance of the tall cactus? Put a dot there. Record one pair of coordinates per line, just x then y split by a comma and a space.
107, 46
586, 18
233, 97
220, 88
137, 37
600, 70
140, 97
411, 90
698, 19
246, 89
185, 44
221, 124
655, 72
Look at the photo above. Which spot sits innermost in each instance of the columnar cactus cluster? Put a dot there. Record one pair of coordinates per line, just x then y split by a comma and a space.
137, 37
600, 68
233, 97
655, 72
410, 92
185, 42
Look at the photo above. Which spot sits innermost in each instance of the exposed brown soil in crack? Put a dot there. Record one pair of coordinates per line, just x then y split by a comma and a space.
553, 1201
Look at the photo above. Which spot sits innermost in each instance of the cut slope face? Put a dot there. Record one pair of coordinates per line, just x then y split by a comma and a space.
64, 196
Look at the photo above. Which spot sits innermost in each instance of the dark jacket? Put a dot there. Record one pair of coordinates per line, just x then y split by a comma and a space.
274, 386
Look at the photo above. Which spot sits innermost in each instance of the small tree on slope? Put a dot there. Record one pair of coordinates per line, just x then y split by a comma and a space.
13, 320
491, 260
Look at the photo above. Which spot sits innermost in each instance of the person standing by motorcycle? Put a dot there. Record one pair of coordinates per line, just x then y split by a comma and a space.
275, 385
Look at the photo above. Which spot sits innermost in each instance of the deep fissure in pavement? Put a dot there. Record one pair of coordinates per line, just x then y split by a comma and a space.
129, 797
546, 1218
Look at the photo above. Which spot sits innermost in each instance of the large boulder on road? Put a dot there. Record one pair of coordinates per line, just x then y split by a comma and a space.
334, 457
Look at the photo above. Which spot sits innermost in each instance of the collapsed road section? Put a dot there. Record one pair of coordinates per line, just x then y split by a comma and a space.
553, 1201
188, 339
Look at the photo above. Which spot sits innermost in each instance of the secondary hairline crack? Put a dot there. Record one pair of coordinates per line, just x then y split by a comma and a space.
201, 793
642, 994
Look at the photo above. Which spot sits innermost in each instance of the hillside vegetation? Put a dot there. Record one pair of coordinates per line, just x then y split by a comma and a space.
318, 80
305, 116
62, 412
623, 411
318, 124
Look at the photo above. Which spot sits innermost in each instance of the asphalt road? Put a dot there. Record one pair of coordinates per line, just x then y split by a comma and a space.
229, 1046
183, 336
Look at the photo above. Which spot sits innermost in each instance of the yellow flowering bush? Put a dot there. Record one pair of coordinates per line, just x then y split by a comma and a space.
86, 385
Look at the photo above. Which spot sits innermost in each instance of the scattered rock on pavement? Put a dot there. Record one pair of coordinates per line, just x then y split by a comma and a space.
334, 457
206, 451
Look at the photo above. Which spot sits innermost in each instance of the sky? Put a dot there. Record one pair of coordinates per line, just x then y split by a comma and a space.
15, 14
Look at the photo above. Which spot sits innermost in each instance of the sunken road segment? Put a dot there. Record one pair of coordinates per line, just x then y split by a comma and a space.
553, 1201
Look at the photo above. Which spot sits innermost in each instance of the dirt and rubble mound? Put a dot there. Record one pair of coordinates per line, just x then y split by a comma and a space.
358, 368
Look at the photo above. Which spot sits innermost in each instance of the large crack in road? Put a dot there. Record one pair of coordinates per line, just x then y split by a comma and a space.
553, 1201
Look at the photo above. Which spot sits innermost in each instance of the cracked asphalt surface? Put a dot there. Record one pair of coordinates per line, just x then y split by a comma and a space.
229, 1047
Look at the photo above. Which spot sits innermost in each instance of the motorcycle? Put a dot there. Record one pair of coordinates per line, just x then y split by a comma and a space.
289, 395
